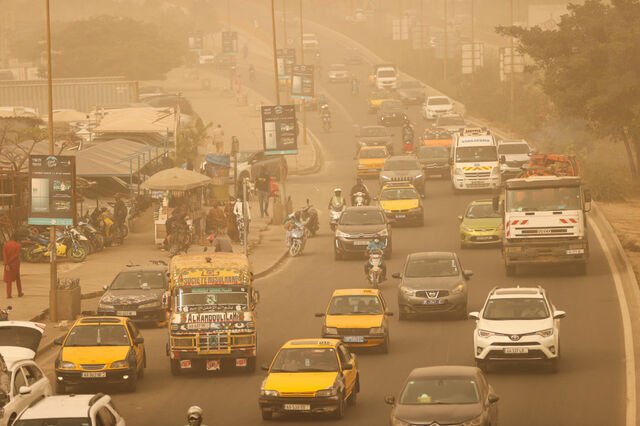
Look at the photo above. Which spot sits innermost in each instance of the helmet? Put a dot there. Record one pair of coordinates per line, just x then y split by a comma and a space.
376, 238
337, 190
194, 413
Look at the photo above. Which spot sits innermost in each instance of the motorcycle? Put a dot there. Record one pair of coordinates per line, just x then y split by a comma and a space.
407, 144
375, 268
179, 241
67, 245
335, 213
82, 239
311, 215
298, 240
359, 199
95, 238
326, 123
4, 313
104, 222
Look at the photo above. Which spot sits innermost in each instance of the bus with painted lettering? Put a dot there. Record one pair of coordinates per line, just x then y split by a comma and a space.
212, 306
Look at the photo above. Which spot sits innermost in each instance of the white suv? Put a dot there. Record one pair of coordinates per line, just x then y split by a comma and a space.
517, 324
87, 410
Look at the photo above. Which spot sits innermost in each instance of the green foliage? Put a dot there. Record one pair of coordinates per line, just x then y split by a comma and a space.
190, 138
109, 45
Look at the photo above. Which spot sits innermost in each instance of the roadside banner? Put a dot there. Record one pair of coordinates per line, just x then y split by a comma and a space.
53, 190
230, 42
302, 84
286, 58
279, 130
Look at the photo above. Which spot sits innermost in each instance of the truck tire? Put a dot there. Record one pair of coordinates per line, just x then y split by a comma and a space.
175, 367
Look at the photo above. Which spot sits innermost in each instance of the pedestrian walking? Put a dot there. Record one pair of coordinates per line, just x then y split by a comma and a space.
218, 138
238, 211
11, 258
232, 227
263, 186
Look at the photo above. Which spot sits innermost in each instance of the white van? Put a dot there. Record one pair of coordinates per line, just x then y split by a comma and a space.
474, 160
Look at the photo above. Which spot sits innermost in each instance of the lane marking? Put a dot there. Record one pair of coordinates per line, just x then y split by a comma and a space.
630, 365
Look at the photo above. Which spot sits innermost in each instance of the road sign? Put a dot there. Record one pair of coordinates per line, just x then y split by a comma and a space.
230, 42
420, 36
286, 58
507, 55
302, 84
53, 190
400, 28
472, 55
279, 130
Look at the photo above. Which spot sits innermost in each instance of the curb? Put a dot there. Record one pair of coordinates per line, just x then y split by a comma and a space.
272, 267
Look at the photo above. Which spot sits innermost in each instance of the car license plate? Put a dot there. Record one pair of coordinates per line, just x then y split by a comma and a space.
484, 238
213, 364
477, 184
297, 407
126, 313
401, 216
361, 242
432, 302
353, 339
516, 350
575, 251
93, 374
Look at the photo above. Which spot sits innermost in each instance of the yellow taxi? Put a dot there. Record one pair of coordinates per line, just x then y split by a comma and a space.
376, 97
100, 350
401, 203
358, 317
371, 159
310, 376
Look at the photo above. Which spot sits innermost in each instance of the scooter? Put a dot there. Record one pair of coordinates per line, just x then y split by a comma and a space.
335, 213
375, 268
297, 241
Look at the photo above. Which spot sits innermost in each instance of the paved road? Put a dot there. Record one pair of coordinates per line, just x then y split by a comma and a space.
588, 390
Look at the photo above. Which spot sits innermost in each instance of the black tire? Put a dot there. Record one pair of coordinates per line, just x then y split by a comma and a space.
132, 384
402, 316
384, 348
353, 398
339, 412
552, 365
462, 313
483, 365
61, 388
87, 246
251, 364
266, 414
34, 254
77, 254
175, 367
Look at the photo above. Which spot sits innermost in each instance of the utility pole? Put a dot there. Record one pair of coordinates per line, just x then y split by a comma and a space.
302, 104
286, 42
511, 79
53, 267
245, 209
473, 40
446, 42
275, 56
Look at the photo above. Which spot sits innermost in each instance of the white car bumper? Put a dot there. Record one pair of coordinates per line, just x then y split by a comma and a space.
460, 182
527, 348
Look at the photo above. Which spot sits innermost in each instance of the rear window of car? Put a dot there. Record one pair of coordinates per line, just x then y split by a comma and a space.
373, 153
362, 217
431, 267
438, 101
401, 165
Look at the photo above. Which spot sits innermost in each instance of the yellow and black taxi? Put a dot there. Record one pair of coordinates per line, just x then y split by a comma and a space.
358, 317
371, 159
480, 225
100, 350
310, 376
401, 203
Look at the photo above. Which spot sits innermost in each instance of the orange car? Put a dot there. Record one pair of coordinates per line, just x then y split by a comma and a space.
437, 138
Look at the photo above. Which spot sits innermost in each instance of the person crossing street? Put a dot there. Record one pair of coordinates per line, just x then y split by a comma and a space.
11, 258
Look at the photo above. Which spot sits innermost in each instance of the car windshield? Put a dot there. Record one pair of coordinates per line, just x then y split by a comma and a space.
438, 101
197, 298
302, 360
431, 391
362, 217
79, 421
391, 106
409, 85
373, 153
386, 73
401, 165
433, 152
367, 132
399, 194
355, 305
136, 280
98, 335
432, 267
543, 199
470, 154
513, 148
24, 337
481, 211
454, 120
516, 309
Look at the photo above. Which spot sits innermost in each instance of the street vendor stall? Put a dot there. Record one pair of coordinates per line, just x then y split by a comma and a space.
217, 166
181, 189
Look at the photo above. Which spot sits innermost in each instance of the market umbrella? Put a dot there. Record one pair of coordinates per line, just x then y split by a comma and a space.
175, 179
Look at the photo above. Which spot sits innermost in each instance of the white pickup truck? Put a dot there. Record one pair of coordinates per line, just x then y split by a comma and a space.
385, 76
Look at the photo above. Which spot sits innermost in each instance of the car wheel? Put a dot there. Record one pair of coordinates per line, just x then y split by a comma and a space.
266, 414
175, 367
385, 345
132, 384
462, 313
251, 364
61, 389
402, 316
463, 245
353, 397
421, 221
339, 413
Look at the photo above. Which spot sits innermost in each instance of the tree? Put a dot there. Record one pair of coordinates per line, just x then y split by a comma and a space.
590, 67
109, 46
190, 138
18, 138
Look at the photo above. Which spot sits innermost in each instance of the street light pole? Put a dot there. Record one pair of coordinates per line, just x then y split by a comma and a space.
511, 89
446, 43
473, 40
53, 269
275, 57
303, 101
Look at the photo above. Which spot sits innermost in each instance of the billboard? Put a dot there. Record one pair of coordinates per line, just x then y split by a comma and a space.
53, 190
302, 85
230, 42
286, 58
279, 130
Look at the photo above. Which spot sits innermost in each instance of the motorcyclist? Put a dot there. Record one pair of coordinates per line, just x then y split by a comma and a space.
337, 201
325, 114
194, 416
360, 187
293, 221
407, 130
376, 245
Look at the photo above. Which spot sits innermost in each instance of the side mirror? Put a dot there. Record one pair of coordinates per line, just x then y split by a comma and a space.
389, 399
559, 314
474, 315
587, 195
503, 159
265, 367
138, 340
24, 390
58, 341
396, 275
389, 314
467, 273
493, 398
105, 287
496, 204
256, 296
460, 218
346, 367
319, 315
165, 300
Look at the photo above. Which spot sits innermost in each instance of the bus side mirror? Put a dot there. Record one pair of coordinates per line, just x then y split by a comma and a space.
496, 203
587, 200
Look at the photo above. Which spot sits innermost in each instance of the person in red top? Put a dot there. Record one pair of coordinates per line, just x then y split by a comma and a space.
11, 257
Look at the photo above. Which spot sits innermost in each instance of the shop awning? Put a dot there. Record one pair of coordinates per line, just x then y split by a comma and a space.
175, 179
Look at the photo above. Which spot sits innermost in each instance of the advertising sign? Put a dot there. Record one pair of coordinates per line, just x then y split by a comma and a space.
53, 190
286, 58
472, 57
302, 86
230, 42
279, 130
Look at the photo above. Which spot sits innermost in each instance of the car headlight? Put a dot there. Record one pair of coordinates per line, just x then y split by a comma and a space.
384, 233
151, 304
376, 330
120, 364
398, 422
458, 289
267, 392
486, 333
341, 234
66, 364
326, 392
407, 291
387, 211
330, 330
105, 307
466, 228
417, 176
545, 333
457, 171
